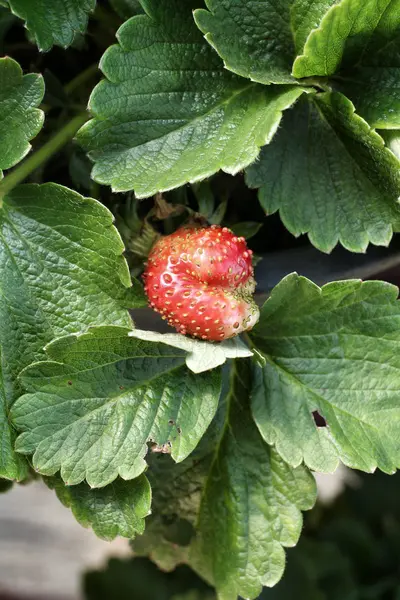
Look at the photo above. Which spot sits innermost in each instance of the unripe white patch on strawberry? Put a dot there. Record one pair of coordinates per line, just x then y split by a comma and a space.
201, 281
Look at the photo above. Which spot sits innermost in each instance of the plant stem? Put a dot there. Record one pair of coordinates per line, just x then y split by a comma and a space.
42, 155
109, 19
75, 83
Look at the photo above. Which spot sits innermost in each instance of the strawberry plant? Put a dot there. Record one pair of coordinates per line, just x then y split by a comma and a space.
209, 117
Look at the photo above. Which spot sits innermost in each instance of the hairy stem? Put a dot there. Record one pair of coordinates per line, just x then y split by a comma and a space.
62, 137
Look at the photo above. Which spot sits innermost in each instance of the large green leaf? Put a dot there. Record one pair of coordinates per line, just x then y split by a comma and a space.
330, 175
345, 34
53, 21
20, 118
169, 112
253, 37
103, 396
250, 506
243, 500
177, 490
374, 84
329, 386
62, 270
118, 509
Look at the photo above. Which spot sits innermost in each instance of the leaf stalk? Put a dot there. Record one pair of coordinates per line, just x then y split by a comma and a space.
62, 137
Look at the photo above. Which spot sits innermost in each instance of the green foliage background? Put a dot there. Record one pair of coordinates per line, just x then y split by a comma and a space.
201, 453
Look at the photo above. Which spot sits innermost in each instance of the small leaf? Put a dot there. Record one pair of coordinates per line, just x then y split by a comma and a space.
58, 276
246, 229
330, 175
343, 35
218, 215
330, 352
202, 356
118, 509
142, 243
155, 542
103, 395
373, 85
53, 21
169, 112
306, 15
205, 198
20, 119
252, 36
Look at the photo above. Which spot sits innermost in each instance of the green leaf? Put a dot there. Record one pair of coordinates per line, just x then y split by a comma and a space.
177, 490
243, 500
250, 504
320, 570
365, 33
156, 543
20, 119
373, 85
118, 509
205, 198
59, 275
246, 229
169, 112
202, 356
126, 8
218, 215
306, 15
299, 575
102, 396
253, 37
330, 352
344, 35
375, 93
330, 175
53, 21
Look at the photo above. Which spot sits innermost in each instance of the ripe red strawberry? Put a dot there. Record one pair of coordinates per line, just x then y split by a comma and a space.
201, 281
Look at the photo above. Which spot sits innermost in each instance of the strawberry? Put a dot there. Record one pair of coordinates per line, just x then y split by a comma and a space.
201, 281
